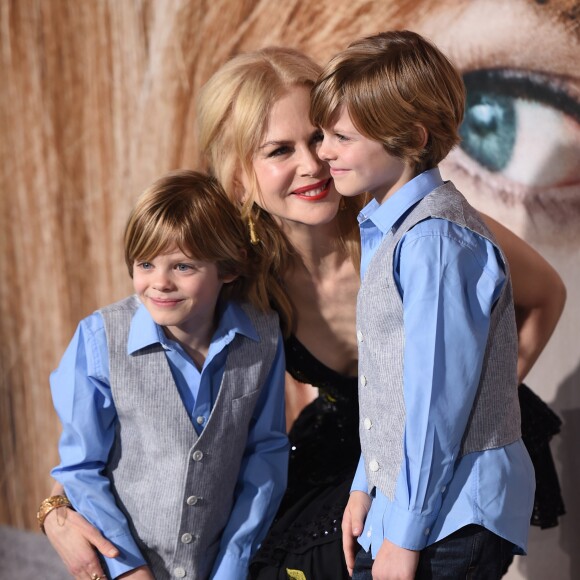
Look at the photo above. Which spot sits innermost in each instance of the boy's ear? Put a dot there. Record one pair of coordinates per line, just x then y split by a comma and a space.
423, 135
229, 278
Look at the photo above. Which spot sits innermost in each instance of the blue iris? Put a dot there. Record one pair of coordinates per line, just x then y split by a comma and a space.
489, 128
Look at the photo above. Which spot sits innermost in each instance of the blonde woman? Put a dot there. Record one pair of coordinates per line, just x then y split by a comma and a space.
255, 132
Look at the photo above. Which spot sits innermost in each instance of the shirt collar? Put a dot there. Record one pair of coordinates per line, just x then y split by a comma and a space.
384, 216
145, 332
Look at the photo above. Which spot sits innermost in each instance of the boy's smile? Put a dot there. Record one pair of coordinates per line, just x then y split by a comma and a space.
359, 164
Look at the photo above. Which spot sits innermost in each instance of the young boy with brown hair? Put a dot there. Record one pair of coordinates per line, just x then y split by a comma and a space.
445, 485
172, 400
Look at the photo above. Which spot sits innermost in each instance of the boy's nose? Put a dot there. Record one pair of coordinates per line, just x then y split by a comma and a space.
325, 151
162, 281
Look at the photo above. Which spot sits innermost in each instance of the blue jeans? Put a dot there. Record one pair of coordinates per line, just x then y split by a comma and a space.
471, 553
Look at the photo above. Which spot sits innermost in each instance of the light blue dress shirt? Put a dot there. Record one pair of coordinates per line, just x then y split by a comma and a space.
83, 401
449, 279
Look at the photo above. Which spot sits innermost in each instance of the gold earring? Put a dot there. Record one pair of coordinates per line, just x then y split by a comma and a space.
254, 239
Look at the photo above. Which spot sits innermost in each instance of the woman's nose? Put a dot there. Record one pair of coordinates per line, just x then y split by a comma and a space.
310, 163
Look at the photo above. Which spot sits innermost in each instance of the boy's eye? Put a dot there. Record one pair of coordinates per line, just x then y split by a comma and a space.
184, 267
144, 265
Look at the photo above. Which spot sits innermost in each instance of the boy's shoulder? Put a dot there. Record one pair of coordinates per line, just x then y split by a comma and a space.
265, 322
446, 202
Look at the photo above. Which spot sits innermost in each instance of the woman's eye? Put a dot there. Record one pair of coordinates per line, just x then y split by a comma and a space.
279, 151
318, 137
523, 125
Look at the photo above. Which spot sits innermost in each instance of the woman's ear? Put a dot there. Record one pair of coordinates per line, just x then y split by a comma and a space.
241, 186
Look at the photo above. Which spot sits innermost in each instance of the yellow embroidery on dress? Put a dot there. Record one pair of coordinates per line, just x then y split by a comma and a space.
295, 574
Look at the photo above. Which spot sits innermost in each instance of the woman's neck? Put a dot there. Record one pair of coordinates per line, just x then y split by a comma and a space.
318, 248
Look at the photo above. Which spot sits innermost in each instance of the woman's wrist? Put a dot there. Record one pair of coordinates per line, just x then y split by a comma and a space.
48, 505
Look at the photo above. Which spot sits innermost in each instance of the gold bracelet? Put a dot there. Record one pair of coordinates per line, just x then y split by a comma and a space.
49, 504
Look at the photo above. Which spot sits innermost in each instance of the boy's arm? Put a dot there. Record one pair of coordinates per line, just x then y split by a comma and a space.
82, 399
261, 481
449, 278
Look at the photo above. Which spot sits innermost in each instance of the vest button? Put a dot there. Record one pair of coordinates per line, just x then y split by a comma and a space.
197, 455
179, 572
192, 500
363, 381
374, 465
186, 538
200, 420
359, 335
368, 423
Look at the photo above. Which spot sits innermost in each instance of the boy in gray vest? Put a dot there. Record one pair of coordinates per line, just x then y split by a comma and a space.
445, 486
172, 400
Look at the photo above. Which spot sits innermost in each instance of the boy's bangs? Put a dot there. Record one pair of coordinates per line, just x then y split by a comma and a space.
325, 104
162, 238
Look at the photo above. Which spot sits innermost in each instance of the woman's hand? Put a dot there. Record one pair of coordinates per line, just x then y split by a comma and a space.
75, 541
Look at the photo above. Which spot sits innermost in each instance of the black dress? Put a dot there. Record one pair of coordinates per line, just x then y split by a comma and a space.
305, 541
539, 425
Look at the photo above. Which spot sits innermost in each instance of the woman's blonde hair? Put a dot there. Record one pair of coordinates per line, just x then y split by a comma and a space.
390, 84
190, 210
232, 115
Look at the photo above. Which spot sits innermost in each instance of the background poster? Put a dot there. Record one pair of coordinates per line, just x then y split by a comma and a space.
97, 99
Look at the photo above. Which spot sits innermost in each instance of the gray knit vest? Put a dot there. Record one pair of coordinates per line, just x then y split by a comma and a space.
175, 487
495, 416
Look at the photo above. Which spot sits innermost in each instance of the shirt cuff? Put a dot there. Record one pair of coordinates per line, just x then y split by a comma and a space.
129, 557
230, 566
406, 529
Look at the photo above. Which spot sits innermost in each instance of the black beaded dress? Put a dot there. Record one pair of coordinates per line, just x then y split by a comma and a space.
305, 539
